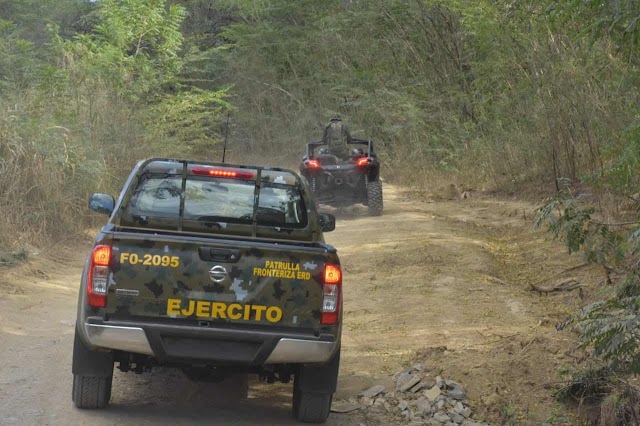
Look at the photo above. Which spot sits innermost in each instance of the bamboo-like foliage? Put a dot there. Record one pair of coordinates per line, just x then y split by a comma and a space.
83, 101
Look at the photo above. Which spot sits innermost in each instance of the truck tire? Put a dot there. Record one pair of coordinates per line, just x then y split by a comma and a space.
313, 388
92, 376
91, 392
311, 407
374, 198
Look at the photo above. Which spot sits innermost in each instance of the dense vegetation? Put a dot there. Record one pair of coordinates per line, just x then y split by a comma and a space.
494, 93
85, 90
488, 94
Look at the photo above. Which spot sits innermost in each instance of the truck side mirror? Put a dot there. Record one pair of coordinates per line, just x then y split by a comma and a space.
102, 203
327, 222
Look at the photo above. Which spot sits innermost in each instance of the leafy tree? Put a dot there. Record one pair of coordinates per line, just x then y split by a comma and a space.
134, 47
88, 88
135, 53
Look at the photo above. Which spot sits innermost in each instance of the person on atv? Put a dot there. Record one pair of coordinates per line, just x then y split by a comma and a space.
337, 136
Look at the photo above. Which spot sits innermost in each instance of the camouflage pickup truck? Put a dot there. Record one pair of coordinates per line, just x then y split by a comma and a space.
214, 269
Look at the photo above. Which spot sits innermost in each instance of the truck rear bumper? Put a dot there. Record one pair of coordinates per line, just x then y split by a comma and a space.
168, 343
298, 350
129, 339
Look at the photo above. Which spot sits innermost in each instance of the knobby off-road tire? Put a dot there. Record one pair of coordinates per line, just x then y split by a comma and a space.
91, 392
374, 198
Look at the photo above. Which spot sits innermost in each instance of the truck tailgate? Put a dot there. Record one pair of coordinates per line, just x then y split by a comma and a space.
217, 281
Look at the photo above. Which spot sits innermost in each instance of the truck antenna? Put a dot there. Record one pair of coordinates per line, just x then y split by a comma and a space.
226, 134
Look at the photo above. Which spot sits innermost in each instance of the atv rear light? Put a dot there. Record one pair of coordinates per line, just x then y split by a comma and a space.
98, 276
224, 173
362, 162
332, 294
313, 164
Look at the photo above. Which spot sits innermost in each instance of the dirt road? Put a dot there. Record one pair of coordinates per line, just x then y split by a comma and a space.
439, 282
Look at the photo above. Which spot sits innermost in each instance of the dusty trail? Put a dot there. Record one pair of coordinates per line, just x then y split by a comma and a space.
423, 277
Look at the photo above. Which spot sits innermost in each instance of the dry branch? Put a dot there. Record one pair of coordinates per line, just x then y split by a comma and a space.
564, 285
496, 280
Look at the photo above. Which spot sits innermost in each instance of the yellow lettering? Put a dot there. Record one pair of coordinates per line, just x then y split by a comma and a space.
279, 269
173, 307
234, 315
188, 312
258, 309
304, 275
233, 311
202, 308
124, 257
217, 310
274, 314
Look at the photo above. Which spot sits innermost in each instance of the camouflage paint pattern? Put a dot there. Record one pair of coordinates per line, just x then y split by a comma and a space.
138, 291
299, 298
161, 288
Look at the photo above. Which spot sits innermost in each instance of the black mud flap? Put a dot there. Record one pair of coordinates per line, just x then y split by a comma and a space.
90, 363
319, 378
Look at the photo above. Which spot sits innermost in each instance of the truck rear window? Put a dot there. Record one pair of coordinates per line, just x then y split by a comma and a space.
218, 200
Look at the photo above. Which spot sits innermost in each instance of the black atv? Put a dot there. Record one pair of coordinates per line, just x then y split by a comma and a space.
341, 183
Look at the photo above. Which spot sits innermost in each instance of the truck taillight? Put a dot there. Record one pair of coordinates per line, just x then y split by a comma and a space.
332, 295
98, 276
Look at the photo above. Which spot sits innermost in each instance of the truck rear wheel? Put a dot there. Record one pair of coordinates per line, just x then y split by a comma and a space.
91, 392
92, 376
311, 407
313, 388
374, 198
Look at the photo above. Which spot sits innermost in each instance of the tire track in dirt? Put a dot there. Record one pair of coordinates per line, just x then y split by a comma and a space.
445, 283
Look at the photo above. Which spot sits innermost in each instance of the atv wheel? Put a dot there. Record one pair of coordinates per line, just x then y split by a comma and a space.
374, 198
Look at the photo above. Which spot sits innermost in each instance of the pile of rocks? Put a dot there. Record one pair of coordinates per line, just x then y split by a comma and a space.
421, 399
